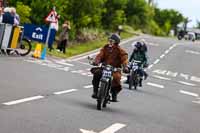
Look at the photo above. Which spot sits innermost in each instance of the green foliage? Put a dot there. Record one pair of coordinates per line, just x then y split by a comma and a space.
172, 17
167, 27
114, 14
198, 24
118, 19
137, 13
154, 28
24, 12
99, 14
86, 13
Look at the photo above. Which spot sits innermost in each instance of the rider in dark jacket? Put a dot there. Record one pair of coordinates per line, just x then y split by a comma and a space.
139, 54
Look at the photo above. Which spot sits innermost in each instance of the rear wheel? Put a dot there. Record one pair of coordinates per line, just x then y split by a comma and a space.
25, 47
135, 80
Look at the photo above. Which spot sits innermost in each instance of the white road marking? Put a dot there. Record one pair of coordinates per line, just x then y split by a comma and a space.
192, 52
155, 85
150, 66
160, 77
158, 71
172, 74
196, 79
112, 129
167, 51
198, 102
185, 76
155, 62
23, 100
84, 74
162, 56
66, 91
153, 44
88, 86
86, 131
74, 72
64, 63
171, 48
186, 83
189, 93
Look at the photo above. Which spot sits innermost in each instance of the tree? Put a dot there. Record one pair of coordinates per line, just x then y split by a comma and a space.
137, 13
114, 13
86, 13
198, 24
171, 16
24, 12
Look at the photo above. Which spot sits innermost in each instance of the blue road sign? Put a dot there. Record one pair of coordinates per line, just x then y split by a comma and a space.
38, 33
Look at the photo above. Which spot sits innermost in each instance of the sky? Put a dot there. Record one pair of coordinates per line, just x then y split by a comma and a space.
189, 8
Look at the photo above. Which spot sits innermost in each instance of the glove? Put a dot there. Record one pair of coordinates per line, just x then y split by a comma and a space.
126, 70
146, 65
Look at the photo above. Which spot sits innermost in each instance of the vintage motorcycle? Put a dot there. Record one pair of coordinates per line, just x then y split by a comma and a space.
104, 91
134, 77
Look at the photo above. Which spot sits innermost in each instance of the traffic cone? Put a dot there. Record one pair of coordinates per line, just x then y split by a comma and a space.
43, 55
37, 51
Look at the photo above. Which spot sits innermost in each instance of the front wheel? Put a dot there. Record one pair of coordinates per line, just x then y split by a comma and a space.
131, 80
101, 95
179, 37
25, 47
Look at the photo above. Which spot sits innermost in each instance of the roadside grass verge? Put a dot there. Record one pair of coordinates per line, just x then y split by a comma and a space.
79, 48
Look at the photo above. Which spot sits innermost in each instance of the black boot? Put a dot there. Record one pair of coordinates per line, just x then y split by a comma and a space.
94, 95
145, 75
127, 80
95, 91
114, 97
140, 83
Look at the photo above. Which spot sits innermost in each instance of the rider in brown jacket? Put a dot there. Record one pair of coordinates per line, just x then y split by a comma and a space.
111, 54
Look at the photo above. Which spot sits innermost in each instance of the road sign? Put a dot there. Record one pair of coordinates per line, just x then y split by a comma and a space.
51, 17
39, 33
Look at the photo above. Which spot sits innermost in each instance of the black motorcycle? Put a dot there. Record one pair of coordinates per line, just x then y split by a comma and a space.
134, 77
104, 91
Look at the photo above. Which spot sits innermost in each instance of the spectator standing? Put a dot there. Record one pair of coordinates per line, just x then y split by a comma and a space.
1, 15
8, 18
64, 37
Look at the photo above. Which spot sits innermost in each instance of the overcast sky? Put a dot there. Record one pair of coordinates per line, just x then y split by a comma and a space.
189, 8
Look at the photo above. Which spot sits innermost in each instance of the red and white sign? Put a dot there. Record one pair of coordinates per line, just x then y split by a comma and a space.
52, 17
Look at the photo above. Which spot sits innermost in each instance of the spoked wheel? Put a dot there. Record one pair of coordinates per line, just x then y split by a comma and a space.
25, 47
131, 80
101, 102
136, 81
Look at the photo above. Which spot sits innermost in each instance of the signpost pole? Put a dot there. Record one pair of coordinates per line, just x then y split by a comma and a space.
43, 55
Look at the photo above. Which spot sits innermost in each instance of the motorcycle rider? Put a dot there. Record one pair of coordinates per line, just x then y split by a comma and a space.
111, 54
139, 54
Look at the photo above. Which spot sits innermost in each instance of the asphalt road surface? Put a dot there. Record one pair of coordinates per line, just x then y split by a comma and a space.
54, 95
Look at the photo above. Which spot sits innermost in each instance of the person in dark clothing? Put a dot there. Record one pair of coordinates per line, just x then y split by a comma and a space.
64, 37
139, 54
8, 18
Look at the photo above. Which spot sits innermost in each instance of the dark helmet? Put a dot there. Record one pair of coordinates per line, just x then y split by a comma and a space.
116, 38
138, 45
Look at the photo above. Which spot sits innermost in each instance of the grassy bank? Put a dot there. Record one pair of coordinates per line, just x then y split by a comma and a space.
76, 49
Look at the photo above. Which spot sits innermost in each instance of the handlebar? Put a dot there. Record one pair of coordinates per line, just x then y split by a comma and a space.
91, 62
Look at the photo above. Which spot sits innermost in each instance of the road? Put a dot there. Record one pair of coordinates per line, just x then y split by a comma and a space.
54, 96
